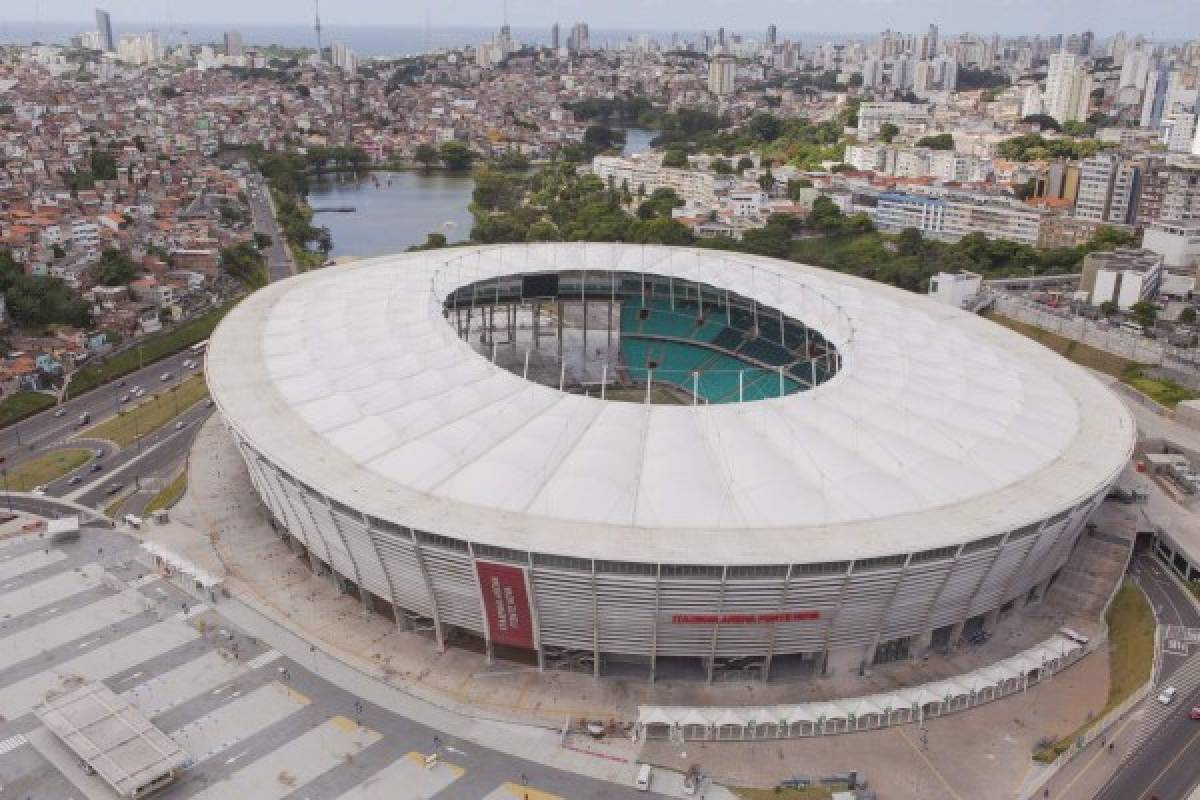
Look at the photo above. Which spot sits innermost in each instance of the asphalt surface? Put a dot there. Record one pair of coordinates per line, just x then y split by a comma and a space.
279, 258
1167, 766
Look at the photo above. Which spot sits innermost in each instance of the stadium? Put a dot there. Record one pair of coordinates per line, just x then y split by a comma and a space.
662, 463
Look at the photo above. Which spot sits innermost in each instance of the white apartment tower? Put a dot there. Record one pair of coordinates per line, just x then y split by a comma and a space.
1068, 88
721, 71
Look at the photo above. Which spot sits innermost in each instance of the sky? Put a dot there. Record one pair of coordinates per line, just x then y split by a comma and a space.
1173, 19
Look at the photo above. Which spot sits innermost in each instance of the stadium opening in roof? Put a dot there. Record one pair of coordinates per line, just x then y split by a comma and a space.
639, 336
455, 461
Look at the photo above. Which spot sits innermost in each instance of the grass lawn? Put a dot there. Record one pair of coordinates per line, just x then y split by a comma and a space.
152, 414
1162, 390
1130, 658
20, 405
153, 348
170, 494
47, 468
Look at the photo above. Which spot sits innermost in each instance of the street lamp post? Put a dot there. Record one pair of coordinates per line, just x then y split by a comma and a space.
4, 471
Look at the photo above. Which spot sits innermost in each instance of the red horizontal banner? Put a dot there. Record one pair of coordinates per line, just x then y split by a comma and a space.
744, 619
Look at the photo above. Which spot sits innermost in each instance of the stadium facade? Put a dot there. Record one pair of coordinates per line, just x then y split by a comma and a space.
662, 462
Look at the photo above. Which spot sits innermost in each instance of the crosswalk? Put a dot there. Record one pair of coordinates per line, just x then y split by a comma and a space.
248, 731
1185, 679
12, 743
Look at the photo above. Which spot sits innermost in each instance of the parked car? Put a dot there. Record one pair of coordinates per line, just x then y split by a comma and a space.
60, 412
1195, 712
124, 398
1167, 695
644, 775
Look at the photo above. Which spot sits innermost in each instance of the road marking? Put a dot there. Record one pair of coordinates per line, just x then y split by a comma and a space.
262, 659
278, 773
12, 743
1170, 764
235, 722
406, 777
28, 562
61, 629
182, 683
18, 699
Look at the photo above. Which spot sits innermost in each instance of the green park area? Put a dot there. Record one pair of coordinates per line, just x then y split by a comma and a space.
150, 415
1130, 659
46, 468
19, 405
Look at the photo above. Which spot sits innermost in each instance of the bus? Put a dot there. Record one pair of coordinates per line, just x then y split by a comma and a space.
198, 348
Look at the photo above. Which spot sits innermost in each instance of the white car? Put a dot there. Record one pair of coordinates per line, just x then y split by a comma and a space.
39, 491
1167, 695
166, 376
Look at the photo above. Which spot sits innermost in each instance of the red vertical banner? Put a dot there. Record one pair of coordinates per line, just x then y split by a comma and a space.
506, 603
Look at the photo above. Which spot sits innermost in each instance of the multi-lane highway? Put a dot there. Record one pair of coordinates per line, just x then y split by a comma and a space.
1166, 763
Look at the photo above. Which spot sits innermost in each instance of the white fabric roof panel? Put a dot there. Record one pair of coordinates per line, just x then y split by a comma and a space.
960, 426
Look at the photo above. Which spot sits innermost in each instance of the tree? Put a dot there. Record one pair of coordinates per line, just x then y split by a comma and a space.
262, 240
58, 250
425, 154
1043, 121
114, 268
1108, 308
1188, 316
888, 131
104, 166
659, 204
512, 159
942, 141
544, 230
744, 163
765, 127
766, 181
675, 157
496, 191
243, 261
456, 155
722, 167
1144, 313
1109, 237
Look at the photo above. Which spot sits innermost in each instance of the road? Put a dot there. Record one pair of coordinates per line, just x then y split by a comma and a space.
1167, 764
54, 426
279, 259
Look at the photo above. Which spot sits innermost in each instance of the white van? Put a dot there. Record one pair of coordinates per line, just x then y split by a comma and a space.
642, 783
132, 521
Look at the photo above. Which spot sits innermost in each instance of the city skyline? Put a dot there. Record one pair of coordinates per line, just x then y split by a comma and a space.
1172, 19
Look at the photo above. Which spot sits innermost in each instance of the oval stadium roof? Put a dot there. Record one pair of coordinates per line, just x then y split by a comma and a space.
939, 427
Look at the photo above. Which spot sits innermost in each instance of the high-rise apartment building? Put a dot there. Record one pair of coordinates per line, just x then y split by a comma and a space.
343, 57
580, 40
772, 35
721, 72
233, 44
554, 36
104, 29
1068, 88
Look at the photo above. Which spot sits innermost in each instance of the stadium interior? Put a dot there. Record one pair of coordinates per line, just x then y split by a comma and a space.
636, 337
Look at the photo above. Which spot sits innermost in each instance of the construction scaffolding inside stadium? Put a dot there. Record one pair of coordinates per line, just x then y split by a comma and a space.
639, 337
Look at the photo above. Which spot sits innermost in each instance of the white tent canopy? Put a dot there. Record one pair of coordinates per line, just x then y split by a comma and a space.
993, 676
